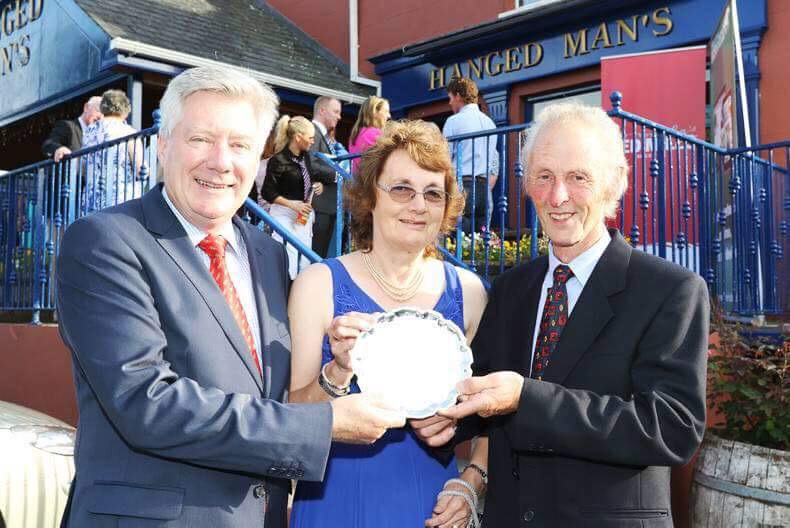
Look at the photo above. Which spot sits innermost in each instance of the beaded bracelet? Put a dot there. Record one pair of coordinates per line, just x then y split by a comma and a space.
330, 388
480, 470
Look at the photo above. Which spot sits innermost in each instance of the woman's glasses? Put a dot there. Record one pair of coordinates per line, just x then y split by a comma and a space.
400, 192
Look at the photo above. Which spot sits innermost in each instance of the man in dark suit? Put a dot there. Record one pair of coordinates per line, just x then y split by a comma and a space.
66, 135
589, 362
326, 115
175, 314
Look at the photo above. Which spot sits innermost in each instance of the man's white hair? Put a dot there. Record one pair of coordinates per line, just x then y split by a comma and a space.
220, 80
595, 122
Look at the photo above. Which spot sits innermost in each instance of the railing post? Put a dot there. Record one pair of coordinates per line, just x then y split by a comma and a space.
661, 190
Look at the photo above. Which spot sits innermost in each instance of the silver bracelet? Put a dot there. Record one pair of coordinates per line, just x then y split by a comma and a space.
474, 520
330, 388
465, 484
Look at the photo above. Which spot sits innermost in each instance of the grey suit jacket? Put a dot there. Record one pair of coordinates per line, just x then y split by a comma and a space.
623, 397
177, 428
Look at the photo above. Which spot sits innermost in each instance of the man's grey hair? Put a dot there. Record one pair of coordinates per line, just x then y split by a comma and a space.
322, 102
94, 102
220, 80
115, 103
595, 122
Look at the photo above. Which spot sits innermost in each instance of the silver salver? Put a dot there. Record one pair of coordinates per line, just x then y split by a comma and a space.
412, 359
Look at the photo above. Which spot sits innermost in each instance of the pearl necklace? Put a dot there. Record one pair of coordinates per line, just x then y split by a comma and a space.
393, 291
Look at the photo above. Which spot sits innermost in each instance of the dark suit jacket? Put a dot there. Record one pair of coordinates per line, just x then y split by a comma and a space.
623, 397
327, 201
177, 428
65, 133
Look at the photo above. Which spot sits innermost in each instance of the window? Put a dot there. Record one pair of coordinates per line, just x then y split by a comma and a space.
590, 95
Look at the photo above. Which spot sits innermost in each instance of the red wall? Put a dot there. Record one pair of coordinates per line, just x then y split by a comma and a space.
774, 60
385, 25
35, 370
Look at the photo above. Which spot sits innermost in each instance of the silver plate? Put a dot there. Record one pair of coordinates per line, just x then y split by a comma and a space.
412, 358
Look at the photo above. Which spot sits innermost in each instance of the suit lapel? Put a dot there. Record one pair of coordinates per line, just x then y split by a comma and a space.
592, 311
259, 277
174, 240
524, 329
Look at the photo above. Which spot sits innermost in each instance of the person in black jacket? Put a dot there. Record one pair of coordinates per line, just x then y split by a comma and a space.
293, 177
66, 135
589, 362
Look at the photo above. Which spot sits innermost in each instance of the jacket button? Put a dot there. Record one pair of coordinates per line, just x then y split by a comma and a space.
259, 491
515, 474
529, 515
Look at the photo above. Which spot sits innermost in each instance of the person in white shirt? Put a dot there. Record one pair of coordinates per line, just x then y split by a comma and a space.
476, 160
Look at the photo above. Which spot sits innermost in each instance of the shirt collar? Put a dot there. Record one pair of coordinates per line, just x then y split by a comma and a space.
82, 123
195, 234
469, 107
583, 265
320, 126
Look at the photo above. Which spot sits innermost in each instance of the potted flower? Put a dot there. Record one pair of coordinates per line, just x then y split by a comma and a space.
742, 472
501, 253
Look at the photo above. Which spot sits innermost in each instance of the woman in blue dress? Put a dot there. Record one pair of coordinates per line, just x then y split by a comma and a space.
403, 197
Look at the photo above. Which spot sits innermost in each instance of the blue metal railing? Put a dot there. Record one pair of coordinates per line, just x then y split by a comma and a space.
723, 213
716, 211
39, 201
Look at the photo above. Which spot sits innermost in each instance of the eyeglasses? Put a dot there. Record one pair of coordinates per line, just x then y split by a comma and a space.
403, 193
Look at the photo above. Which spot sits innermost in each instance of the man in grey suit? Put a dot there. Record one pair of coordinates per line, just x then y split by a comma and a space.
589, 362
326, 115
175, 314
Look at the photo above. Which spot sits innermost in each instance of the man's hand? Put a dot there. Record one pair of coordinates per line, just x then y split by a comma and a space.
60, 153
435, 430
495, 394
361, 419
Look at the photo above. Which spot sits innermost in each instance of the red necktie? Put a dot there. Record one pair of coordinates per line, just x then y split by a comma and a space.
555, 316
214, 247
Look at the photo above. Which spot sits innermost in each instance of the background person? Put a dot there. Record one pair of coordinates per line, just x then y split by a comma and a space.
66, 135
117, 166
326, 115
293, 175
373, 115
175, 315
586, 420
479, 160
403, 196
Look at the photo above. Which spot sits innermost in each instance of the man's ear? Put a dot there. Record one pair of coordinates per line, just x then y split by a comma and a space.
161, 146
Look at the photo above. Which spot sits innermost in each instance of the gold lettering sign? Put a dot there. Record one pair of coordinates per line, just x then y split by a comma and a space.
15, 16
575, 43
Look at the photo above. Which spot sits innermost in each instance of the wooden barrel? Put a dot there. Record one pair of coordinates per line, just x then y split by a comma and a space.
737, 484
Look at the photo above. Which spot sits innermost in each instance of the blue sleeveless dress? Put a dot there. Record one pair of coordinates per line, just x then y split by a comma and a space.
394, 482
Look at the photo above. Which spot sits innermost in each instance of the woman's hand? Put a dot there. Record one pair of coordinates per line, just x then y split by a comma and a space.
318, 188
302, 208
450, 511
343, 333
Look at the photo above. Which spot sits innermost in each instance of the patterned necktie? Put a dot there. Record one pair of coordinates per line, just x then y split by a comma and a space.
305, 175
214, 246
555, 316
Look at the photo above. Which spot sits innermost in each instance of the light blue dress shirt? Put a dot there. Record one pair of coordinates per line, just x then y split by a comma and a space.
478, 157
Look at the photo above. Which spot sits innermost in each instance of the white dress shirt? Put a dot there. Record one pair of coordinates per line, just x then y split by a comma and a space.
470, 119
237, 261
582, 267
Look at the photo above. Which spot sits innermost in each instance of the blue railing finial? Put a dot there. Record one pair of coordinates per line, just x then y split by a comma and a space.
617, 100
157, 118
